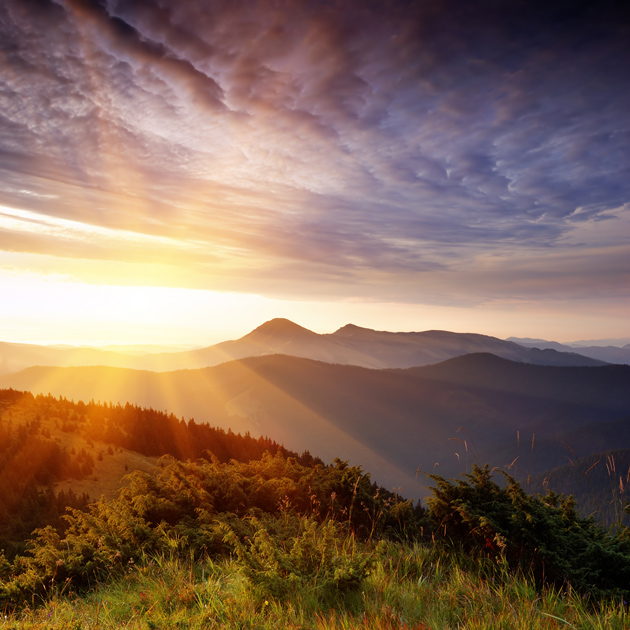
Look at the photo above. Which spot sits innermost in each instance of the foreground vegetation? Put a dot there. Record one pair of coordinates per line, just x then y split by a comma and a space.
410, 586
45, 441
285, 541
274, 543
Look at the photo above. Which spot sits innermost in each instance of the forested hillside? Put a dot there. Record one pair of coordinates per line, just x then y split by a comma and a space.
49, 446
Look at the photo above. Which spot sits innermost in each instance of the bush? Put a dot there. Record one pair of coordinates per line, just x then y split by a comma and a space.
543, 535
291, 555
181, 509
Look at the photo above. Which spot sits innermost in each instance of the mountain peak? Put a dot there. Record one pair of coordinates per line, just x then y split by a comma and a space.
280, 326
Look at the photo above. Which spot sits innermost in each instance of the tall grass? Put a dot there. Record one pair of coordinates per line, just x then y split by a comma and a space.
411, 586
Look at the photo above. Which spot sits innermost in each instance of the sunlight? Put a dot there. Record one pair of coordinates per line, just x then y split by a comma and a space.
49, 309
250, 412
25, 221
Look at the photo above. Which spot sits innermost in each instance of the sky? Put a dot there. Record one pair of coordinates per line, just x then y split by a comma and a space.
180, 172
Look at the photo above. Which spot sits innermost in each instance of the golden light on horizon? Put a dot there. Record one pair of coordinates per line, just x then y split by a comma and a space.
246, 165
52, 309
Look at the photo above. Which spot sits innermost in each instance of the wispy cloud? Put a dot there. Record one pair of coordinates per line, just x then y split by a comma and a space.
398, 150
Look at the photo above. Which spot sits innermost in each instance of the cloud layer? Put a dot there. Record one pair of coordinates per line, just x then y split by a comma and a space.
432, 151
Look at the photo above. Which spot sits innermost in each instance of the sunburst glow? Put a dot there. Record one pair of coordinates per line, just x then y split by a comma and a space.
348, 163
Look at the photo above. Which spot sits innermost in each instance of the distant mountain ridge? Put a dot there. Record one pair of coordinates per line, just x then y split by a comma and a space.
414, 349
608, 354
350, 345
17, 356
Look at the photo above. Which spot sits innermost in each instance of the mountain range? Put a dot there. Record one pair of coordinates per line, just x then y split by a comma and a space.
350, 345
608, 353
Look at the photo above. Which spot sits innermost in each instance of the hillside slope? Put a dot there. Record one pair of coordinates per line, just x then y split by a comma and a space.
392, 422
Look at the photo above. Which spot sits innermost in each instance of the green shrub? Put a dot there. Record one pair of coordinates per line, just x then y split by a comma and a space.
181, 508
291, 555
544, 535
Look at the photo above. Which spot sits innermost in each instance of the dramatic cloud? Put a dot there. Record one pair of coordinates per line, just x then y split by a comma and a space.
435, 151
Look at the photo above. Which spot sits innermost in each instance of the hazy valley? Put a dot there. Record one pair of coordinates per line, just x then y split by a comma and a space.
467, 399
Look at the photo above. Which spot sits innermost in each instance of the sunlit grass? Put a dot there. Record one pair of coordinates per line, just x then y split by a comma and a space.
412, 587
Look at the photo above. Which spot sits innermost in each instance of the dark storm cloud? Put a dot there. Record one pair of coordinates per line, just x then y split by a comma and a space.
369, 137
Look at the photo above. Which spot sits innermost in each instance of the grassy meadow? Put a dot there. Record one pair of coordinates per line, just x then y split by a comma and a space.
410, 586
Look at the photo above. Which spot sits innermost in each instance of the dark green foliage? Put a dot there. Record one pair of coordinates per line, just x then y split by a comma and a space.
293, 523
186, 507
31, 463
544, 535
291, 555
600, 484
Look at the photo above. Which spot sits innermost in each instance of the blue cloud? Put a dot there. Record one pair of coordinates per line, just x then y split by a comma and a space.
340, 140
